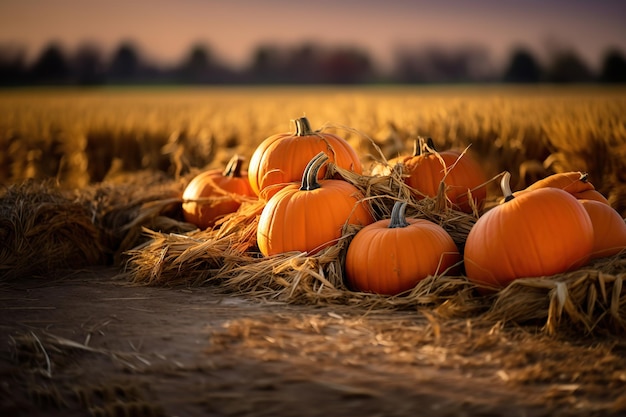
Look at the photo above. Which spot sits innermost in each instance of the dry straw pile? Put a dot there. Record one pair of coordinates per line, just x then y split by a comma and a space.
41, 230
587, 300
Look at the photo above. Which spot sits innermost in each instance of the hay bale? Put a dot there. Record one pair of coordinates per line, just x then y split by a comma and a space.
43, 230
588, 300
123, 207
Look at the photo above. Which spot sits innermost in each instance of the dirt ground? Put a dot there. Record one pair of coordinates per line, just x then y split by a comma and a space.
89, 344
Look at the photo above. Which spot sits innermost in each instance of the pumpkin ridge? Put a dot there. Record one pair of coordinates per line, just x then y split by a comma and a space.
371, 251
525, 236
397, 265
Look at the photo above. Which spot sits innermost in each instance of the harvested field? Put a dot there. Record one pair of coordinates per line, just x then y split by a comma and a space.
113, 305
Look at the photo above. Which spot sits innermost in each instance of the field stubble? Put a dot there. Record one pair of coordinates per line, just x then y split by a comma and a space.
85, 136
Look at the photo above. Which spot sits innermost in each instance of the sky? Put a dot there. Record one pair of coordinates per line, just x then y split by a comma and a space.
165, 30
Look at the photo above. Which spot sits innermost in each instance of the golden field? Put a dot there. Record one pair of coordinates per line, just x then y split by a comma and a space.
86, 136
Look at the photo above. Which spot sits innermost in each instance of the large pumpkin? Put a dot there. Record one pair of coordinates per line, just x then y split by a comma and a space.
392, 255
215, 193
575, 182
310, 216
609, 229
426, 168
281, 158
537, 233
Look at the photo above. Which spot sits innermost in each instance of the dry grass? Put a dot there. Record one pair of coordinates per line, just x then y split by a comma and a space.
81, 136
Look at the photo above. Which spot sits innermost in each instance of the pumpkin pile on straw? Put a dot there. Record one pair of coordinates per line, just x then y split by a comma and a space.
588, 300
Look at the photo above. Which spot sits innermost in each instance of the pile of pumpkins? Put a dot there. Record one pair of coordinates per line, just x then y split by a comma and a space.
553, 226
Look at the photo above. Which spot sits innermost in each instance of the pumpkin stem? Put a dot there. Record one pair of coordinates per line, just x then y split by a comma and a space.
430, 145
303, 127
584, 177
397, 215
505, 185
419, 150
425, 146
233, 168
309, 177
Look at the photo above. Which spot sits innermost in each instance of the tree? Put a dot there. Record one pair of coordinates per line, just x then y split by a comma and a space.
613, 67
568, 67
434, 64
268, 63
347, 66
51, 66
197, 66
302, 64
523, 68
88, 65
126, 64
201, 66
12, 65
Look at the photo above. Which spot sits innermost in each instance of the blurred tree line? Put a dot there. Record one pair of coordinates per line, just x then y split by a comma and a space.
301, 64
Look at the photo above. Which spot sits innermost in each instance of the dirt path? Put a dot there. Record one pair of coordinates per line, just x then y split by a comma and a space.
92, 345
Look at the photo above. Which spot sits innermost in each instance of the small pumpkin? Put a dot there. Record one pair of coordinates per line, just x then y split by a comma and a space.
609, 229
215, 193
310, 216
536, 233
281, 158
426, 168
575, 182
392, 255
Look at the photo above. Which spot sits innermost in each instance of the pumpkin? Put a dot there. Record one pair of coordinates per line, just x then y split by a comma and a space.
310, 216
426, 168
576, 183
609, 229
281, 158
536, 233
392, 255
215, 193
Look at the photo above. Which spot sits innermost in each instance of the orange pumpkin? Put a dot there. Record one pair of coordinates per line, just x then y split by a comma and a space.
212, 194
609, 229
576, 183
392, 255
540, 232
427, 168
310, 216
281, 158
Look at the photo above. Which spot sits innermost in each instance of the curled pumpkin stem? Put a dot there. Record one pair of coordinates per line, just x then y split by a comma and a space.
398, 218
423, 146
309, 177
430, 145
584, 176
505, 186
233, 168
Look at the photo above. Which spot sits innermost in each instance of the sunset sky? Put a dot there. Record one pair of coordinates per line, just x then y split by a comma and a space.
165, 30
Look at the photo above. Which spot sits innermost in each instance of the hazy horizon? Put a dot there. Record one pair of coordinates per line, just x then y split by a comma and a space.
165, 31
